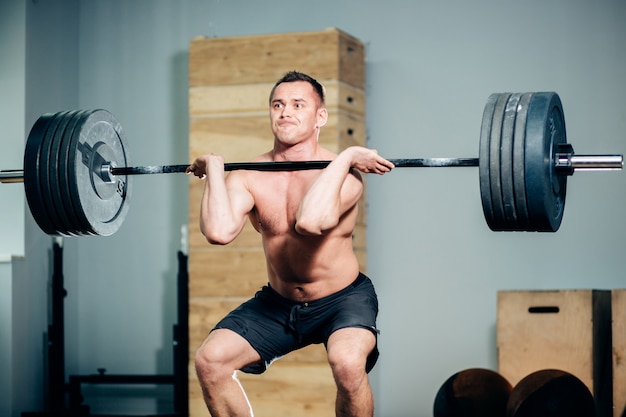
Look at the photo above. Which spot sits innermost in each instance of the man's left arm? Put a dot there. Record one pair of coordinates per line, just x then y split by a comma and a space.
337, 190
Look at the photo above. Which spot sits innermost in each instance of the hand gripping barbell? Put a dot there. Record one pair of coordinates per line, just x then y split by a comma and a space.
77, 176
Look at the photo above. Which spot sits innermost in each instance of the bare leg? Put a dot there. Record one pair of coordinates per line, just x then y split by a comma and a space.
217, 362
347, 353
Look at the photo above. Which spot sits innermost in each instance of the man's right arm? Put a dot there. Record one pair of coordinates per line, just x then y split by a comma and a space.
226, 201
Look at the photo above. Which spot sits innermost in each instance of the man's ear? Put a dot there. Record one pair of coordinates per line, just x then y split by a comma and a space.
322, 116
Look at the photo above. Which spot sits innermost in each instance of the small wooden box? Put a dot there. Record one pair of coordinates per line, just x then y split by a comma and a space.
618, 304
569, 330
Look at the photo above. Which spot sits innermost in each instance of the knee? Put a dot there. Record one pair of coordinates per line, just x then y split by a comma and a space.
348, 369
210, 364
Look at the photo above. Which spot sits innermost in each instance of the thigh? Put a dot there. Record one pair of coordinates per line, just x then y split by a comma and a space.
263, 323
351, 333
357, 307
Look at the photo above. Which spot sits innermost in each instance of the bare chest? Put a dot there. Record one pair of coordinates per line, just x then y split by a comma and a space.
277, 197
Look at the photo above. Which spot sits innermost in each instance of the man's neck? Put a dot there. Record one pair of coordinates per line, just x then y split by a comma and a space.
302, 151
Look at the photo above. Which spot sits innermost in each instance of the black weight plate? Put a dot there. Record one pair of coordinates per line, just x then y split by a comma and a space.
495, 177
58, 174
69, 167
545, 190
519, 151
32, 184
50, 168
483, 159
44, 174
82, 227
506, 162
102, 206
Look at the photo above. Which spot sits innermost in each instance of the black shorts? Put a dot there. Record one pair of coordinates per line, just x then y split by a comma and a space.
275, 325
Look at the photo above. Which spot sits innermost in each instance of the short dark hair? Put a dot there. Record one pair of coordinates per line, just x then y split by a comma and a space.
293, 76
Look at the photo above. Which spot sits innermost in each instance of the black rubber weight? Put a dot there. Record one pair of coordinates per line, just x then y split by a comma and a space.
495, 177
519, 152
506, 162
483, 160
545, 189
32, 184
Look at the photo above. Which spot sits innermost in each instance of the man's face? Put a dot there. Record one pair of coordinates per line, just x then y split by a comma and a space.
296, 112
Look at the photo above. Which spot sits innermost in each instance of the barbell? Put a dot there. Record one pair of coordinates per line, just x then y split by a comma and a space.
77, 173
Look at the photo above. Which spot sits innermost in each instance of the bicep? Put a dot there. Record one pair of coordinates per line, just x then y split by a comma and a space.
240, 197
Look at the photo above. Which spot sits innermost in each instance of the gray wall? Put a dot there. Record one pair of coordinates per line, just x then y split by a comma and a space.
12, 81
430, 67
38, 73
12, 26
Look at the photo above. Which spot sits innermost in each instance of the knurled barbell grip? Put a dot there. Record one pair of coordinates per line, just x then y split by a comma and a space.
294, 165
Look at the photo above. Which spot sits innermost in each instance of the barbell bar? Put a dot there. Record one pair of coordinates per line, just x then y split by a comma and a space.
564, 162
77, 173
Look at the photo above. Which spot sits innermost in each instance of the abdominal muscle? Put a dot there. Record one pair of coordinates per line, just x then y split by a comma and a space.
308, 268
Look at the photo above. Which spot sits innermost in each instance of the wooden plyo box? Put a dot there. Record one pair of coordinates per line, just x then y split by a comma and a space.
618, 311
569, 330
329, 54
230, 80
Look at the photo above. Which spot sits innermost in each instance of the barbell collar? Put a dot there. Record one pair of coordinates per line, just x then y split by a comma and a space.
569, 163
106, 173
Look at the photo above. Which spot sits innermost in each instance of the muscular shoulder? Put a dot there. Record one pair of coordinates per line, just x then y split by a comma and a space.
264, 157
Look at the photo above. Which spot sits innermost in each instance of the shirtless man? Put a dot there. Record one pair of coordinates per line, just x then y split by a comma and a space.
315, 293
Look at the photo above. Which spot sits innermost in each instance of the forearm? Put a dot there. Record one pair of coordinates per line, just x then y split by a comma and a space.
323, 205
